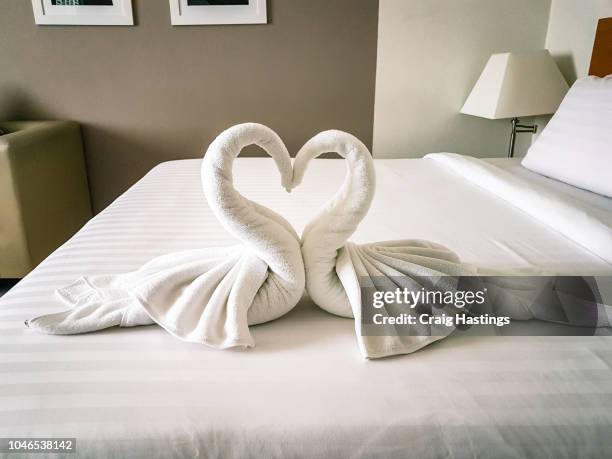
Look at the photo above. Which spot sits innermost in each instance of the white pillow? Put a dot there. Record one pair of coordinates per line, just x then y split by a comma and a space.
576, 146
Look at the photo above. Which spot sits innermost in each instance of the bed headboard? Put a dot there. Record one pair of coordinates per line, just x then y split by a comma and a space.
601, 60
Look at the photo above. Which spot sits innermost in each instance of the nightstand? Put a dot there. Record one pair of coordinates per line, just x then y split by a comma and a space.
44, 196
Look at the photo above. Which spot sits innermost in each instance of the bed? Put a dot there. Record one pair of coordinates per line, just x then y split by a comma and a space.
304, 390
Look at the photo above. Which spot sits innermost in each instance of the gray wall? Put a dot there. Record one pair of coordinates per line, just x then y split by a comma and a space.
430, 54
154, 92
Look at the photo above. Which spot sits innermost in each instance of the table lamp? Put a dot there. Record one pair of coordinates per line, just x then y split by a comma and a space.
513, 85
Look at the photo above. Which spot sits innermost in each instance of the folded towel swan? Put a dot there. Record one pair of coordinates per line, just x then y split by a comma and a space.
335, 266
209, 296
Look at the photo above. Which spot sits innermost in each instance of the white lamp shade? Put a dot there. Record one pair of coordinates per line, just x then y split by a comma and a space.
517, 84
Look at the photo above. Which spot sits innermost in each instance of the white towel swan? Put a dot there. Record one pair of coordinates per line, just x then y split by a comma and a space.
334, 266
208, 296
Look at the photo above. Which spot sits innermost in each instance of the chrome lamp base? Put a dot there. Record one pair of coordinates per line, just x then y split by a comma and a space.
519, 128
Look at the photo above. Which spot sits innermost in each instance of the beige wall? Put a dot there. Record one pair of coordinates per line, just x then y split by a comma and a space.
570, 37
430, 54
571, 33
151, 92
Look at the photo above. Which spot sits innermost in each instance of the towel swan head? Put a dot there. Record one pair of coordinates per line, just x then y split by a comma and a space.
346, 145
228, 145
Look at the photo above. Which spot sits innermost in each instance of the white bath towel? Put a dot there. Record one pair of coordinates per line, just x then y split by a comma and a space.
209, 296
336, 270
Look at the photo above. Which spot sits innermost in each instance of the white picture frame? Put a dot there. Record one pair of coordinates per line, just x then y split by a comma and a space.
181, 13
48, 12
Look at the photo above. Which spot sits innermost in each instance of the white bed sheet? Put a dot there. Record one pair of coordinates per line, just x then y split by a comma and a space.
304, 390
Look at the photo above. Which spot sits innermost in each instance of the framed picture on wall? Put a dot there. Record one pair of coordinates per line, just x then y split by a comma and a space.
83, 12
193, 12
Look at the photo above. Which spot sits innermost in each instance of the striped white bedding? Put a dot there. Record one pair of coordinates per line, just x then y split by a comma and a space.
304, 390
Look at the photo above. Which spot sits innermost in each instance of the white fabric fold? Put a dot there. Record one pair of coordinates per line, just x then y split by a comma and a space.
559, 213
210, 295
396, 264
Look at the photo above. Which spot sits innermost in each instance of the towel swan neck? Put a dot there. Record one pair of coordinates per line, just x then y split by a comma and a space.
262, 230
330, 230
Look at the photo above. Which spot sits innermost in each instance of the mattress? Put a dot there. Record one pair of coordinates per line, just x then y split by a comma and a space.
304, 390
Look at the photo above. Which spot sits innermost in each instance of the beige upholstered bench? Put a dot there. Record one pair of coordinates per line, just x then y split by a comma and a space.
44, 197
